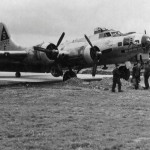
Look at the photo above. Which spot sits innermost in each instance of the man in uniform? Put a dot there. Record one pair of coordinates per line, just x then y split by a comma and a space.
146, 74
116, 79
136, 71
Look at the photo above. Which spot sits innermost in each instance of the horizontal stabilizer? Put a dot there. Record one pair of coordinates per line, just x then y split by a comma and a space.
13, 54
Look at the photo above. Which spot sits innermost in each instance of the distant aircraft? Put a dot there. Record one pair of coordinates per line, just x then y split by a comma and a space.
67, 59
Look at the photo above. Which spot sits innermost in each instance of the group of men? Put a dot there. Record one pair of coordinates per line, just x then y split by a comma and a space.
136, 72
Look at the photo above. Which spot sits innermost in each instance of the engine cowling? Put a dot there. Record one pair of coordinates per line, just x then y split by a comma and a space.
90, 55
87, 55
52, 51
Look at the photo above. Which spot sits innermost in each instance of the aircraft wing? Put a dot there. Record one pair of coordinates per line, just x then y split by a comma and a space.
19, 55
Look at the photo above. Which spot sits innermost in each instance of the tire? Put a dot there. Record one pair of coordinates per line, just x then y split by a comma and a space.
18, 74
68, 75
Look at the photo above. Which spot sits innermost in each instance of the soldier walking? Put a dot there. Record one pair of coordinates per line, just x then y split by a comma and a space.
146, 74
116, 79
136, 72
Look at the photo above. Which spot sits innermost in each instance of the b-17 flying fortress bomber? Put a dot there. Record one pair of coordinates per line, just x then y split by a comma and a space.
67, 59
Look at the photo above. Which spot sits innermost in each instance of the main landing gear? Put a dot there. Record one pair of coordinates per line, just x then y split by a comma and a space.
18, 74
68, 75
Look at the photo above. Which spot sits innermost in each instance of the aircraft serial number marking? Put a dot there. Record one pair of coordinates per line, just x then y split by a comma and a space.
5, 42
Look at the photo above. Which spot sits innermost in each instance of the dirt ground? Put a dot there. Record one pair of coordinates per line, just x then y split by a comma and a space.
74, 115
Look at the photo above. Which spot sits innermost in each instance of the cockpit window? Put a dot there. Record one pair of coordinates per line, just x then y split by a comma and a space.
107, 34
117, 33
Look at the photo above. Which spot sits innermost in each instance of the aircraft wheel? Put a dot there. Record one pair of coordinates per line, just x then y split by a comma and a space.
68, 75
18, 74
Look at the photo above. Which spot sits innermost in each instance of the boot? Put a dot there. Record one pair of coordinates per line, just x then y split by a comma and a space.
120, 90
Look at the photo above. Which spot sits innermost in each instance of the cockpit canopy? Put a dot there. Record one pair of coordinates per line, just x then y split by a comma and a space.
111, 33
103, 32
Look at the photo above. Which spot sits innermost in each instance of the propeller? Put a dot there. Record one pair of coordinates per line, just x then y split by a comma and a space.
96, 52
52, 49
60, 39
88, 41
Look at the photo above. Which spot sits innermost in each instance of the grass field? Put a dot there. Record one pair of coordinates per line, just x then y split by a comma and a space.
67, 117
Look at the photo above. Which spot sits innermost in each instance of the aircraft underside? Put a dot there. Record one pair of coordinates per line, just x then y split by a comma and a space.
13, 67
67, 73
55, 70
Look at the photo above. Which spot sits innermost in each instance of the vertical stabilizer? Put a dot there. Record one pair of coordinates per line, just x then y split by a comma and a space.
4, 34
5, 41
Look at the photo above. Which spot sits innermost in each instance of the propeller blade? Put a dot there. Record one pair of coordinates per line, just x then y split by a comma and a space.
94, 69
60, 39
36, 48
97, 52
145, 31
88, 41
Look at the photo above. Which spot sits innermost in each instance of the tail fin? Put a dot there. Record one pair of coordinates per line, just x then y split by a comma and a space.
5, 41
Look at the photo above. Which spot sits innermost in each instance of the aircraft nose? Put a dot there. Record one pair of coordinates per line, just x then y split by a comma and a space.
148, 40
145, 42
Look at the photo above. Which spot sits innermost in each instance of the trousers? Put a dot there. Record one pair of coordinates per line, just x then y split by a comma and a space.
146, 77
136, 82
115, 82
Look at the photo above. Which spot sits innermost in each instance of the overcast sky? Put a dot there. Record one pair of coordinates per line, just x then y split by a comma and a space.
32, 21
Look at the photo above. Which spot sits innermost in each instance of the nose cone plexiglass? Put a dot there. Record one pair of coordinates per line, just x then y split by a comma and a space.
145, 41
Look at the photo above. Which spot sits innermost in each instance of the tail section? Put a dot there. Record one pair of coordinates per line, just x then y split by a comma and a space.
5, 41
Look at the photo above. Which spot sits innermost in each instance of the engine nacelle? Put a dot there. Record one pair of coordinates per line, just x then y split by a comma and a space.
51, 50
91, 54
87, 55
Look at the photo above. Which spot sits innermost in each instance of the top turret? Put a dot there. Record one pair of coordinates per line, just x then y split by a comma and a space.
99, 30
